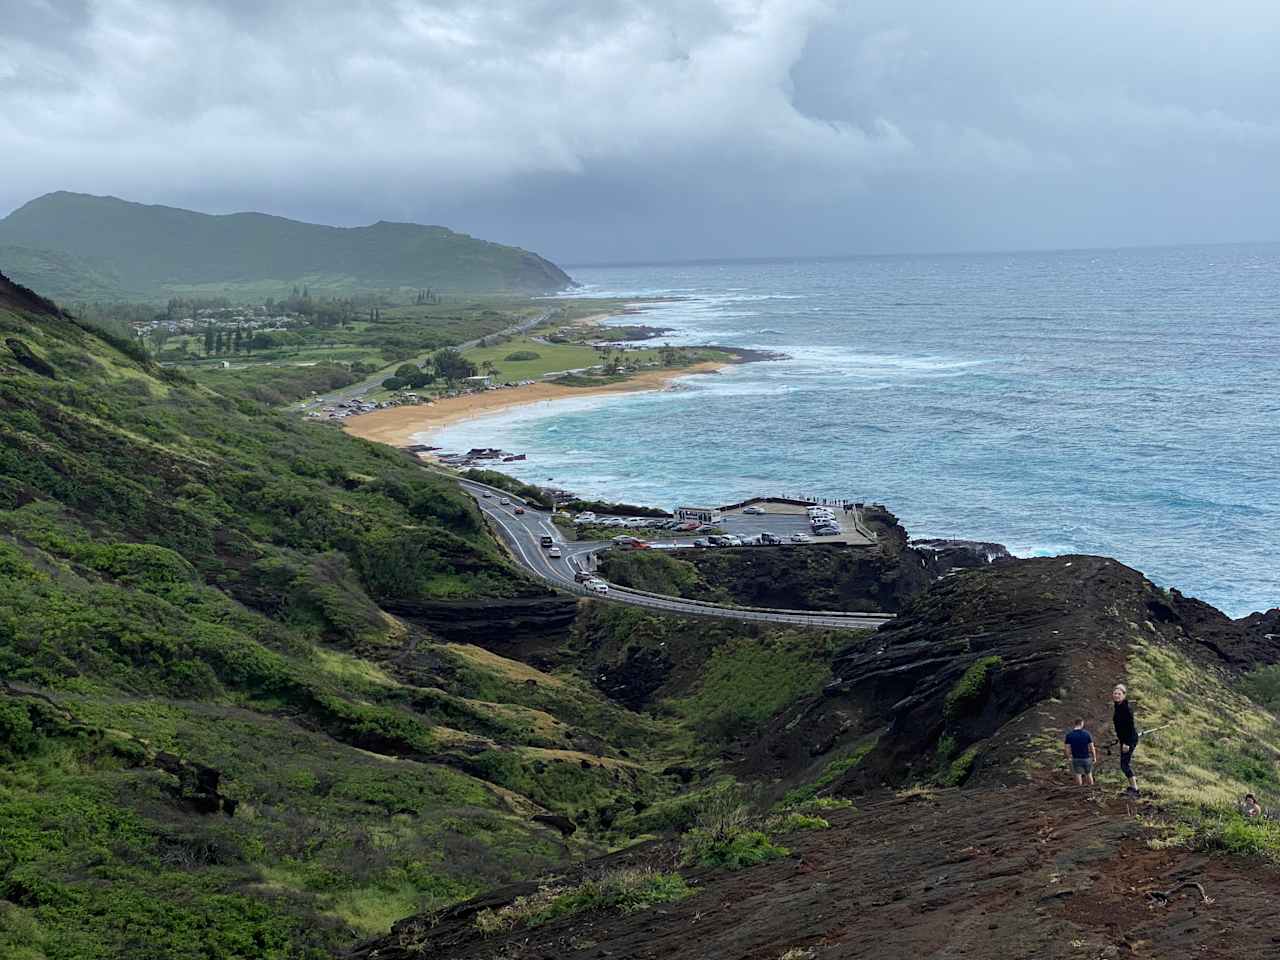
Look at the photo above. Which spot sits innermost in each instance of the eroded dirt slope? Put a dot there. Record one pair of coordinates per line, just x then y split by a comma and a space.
1040, 870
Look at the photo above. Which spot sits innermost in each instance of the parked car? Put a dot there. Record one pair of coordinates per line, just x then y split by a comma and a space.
553, 552
585, 517
718, 541
799, 538
623, 539
518, 510
768, 537
688, 525
707, 528
638, 545
702, 542
582, 576
754, 511
545, 541
733, 541
827, 531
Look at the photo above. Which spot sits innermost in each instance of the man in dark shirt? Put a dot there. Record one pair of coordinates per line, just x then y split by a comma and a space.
1082, 752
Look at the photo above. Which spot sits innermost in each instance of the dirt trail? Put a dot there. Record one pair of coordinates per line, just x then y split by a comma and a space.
1030, 871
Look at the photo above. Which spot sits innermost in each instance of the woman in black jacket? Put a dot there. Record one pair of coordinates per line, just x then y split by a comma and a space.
1126, 733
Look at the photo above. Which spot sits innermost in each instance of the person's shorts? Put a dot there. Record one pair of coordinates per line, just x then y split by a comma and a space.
1081, 767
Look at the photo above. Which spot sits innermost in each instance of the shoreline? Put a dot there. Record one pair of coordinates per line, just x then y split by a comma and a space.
403, 426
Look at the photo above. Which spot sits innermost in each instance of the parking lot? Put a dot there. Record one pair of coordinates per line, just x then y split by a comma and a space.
786, 523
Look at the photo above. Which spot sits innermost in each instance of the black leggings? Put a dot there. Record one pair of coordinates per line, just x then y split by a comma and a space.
1126, 758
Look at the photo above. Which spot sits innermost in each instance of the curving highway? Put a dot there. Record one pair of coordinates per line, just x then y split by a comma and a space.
523, 532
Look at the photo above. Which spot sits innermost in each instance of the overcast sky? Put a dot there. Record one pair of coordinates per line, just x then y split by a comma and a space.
601, 130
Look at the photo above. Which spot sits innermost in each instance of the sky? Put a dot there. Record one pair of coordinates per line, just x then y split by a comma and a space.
640, 130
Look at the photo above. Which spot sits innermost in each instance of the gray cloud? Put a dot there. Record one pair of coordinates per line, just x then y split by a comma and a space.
606, 129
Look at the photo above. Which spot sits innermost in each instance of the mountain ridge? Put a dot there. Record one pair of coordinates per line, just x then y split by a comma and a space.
154, 251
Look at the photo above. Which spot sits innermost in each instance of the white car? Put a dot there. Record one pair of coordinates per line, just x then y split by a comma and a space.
754, 511
799, 538
505, 502
586, 517
553, 552
486, 494
597, 586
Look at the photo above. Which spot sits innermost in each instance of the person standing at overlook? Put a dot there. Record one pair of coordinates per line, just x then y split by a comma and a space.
1126, 733
1082, 752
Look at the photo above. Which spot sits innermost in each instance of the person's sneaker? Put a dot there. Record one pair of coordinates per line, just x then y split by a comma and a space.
1132, 792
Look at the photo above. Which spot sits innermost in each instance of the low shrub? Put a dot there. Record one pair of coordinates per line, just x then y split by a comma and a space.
628, 889
971, 689
519, 355
734, 852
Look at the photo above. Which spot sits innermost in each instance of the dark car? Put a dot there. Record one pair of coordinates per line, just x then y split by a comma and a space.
582, 576
768, 537
702, 542
545, 542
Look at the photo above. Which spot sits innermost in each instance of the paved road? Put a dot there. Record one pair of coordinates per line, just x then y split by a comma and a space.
522, 533
351, 391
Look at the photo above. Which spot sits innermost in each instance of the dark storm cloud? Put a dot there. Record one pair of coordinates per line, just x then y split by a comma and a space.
625, 129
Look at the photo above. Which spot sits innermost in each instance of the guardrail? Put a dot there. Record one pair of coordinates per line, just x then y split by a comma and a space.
679, 605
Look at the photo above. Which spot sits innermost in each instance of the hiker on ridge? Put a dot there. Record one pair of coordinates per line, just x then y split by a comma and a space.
1080, 749
1250, 807
1126, 733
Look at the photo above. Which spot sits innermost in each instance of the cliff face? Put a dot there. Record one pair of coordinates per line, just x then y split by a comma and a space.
811, 576
969, 657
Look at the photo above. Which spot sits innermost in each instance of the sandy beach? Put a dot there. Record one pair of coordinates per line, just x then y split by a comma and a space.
401, 426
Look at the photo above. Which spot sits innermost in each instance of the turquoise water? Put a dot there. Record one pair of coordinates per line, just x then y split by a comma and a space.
1124, 403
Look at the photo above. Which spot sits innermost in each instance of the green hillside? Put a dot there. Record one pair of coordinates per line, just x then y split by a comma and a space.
213, 739
156, 252
61, 275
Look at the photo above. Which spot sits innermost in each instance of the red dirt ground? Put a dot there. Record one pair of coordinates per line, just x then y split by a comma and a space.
1029, 871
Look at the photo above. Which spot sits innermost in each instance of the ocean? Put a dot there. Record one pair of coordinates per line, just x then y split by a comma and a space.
1115, 402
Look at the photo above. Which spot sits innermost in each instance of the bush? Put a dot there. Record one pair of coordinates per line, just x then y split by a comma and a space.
744, 849
971, 689
1230, 832
17, 733
960, 768
393, 383
628, 889
522, 355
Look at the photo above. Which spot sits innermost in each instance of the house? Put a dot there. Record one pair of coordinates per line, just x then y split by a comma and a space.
480, 382
700, 514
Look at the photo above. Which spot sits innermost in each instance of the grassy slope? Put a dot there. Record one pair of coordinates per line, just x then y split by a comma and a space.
65, 275
191, 573
161, 251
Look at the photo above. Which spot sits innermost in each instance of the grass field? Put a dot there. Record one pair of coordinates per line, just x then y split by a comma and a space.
552, 358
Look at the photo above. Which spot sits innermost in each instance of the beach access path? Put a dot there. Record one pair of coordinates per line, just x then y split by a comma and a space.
523, 532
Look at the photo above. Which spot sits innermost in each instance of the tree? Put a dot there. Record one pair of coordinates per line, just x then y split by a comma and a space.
208, 340
217, 344
159, 334
451, 365
489, 367
407, 371
236, 341
392, 383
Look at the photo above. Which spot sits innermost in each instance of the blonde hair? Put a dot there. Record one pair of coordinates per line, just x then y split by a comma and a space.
1122, 688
